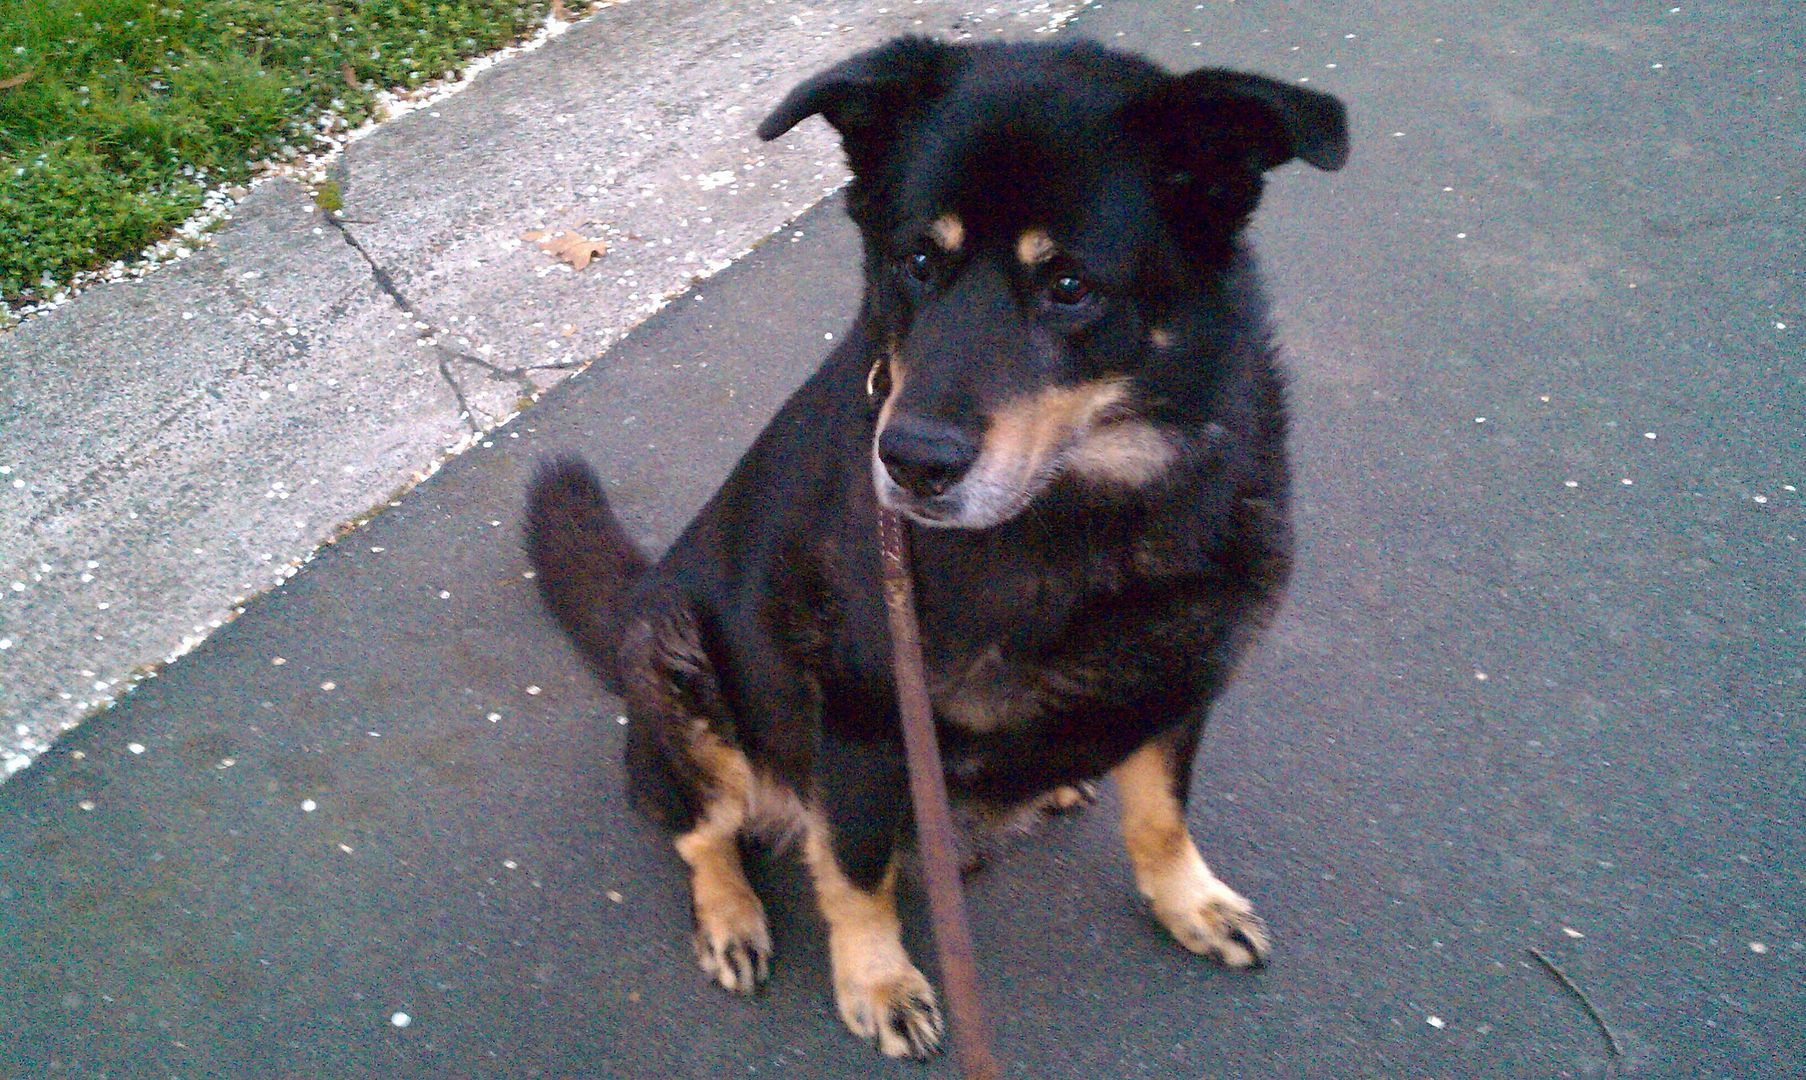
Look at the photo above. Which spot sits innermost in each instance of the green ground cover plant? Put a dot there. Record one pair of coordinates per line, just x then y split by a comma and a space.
116, 116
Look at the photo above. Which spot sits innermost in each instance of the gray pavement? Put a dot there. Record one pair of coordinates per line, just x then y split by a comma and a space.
175, 446
1514, 702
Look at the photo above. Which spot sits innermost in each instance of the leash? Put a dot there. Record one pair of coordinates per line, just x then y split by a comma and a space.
934, 819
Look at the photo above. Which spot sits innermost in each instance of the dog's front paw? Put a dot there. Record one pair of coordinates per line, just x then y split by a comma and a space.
733, 944
1211, 919
896, 1008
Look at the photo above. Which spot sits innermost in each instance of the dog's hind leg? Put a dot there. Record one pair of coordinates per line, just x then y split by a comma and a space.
1202, 913
687, 774
732, 941
851, 852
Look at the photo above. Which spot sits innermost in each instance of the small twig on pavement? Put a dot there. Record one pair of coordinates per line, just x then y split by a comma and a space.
1610, 1035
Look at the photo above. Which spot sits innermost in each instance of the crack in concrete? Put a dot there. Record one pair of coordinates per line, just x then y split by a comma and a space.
446, 354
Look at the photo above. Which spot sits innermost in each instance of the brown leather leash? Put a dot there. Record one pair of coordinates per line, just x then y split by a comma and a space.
935, 836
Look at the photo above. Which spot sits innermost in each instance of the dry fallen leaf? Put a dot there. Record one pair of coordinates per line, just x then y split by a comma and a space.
20, 79
570, 247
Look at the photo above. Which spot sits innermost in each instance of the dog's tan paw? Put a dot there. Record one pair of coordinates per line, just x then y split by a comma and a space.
1069, 798
734, 946
1213, 920
898, 1010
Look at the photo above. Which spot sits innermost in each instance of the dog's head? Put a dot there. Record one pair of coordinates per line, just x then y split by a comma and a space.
1048, 235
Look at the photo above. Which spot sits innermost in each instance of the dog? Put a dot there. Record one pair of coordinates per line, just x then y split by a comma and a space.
1063, 375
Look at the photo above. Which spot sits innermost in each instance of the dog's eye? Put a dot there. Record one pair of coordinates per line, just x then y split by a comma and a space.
1069, 290
918, 266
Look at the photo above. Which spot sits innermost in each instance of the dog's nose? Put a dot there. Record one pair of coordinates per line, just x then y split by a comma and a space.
925, 457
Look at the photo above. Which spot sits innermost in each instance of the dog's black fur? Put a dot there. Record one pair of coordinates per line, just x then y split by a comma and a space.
1062, 371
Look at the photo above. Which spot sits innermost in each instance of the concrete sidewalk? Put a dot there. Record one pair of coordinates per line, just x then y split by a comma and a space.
1538, 685
175, 446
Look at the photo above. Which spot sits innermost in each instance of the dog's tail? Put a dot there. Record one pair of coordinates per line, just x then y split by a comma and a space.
584, 560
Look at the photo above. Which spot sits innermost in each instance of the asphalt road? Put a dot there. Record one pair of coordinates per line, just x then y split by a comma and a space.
1538, 685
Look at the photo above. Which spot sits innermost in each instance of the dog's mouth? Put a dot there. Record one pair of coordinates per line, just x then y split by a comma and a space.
943, 511
1089, 431
997, 489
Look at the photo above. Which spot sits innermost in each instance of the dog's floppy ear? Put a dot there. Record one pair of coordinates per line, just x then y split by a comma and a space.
1262, 121
868, 96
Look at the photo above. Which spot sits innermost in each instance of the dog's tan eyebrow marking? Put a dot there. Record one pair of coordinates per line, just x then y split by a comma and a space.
1160, 337
949, 232
1035, 247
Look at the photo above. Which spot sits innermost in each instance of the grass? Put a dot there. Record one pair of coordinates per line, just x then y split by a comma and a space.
116, 116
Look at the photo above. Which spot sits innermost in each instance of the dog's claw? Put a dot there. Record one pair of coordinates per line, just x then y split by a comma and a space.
741, 964
918, 1025
1222, 926
900, 1014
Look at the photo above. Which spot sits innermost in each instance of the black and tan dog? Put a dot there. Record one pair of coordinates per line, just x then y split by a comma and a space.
1062, 373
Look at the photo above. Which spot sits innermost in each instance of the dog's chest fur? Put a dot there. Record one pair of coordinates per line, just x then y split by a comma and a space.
1038, 648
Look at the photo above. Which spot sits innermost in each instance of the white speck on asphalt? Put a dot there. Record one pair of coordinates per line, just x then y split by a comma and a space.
1649, 434
308, 806
226, 763
621, 720
1759, 500
1571, 932
531, 690
329, 686
1758, 948
5, 643
400, 1019
278, 661
346, 848
444, 594
136, 748
614, 896
1627, 481
1571, 483
1434, 1021
510, 864
495, 717
1479, 419
1479, 676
